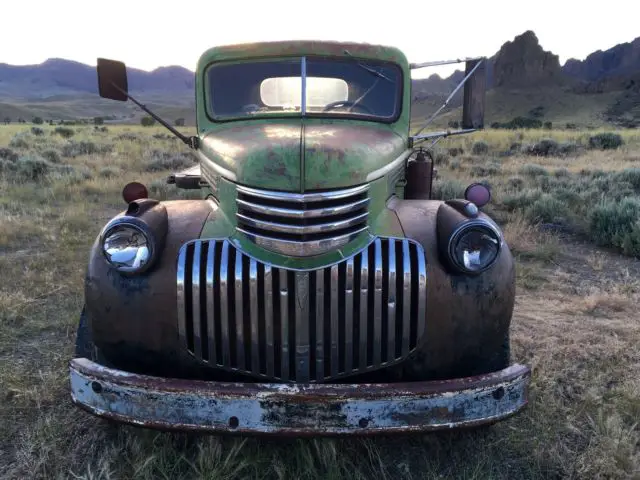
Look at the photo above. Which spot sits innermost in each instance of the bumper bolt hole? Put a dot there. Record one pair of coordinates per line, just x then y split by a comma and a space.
498, 393
96, 387
234, 422
363, 423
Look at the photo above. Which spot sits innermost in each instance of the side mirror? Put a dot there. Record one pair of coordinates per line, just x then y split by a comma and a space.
474, 95
112, 80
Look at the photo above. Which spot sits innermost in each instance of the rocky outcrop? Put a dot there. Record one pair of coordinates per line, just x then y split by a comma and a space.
620, 61
523, 63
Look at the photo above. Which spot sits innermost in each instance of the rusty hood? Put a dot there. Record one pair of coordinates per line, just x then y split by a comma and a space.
302, 155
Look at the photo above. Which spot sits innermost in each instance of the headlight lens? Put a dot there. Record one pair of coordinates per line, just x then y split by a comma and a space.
127, 248
474, 247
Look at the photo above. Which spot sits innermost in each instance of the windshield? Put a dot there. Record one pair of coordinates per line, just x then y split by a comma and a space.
329, 87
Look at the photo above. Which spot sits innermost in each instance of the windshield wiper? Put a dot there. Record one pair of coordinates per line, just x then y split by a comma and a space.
369, 69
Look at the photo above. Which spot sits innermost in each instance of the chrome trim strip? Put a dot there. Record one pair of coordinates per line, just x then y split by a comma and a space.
239, 311
320, 324
301, 249
211, 302
302, 351
348, 316
302, 229
391, 304
224, 303
377, 304
253, 312
268, 318
406, 301
334, 321
180, 274
291, 213
195, 300
390, 166
303, 197
422, 295
284, 324
364, 303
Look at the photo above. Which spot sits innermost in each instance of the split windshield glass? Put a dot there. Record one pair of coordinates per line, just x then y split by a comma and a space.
309, 86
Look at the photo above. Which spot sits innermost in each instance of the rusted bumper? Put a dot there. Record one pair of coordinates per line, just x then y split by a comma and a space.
315, 409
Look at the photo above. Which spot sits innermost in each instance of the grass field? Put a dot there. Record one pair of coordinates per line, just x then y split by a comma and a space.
576, 321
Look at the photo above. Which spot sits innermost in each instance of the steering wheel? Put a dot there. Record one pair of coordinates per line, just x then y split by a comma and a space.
346, 103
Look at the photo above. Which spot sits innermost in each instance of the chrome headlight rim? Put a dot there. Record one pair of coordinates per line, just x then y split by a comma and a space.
140, 226
462, 230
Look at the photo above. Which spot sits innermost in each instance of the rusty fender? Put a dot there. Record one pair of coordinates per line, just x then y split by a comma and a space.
310, 409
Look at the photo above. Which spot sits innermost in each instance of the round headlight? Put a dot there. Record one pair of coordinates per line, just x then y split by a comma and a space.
126, 247
474, 247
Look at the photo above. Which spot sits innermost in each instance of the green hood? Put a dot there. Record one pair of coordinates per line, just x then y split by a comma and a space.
299, 155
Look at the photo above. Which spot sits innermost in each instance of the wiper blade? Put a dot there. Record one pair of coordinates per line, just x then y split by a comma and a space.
369, 69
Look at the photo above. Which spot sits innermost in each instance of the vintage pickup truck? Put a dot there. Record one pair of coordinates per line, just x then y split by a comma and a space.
316, 288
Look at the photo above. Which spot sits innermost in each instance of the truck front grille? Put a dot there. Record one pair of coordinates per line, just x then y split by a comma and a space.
302, 224
239, 314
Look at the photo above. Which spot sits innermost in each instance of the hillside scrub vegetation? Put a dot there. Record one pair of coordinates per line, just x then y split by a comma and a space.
569, 209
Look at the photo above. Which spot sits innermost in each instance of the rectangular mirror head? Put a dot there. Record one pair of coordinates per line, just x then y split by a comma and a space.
474, 95
112, 80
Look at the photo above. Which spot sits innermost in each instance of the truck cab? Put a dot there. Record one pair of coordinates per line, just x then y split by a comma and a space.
316, 287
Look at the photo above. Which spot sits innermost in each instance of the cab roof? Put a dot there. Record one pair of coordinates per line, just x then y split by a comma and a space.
300, 48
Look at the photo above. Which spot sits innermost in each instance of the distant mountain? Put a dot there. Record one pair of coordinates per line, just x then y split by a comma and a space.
56, 77
521, 77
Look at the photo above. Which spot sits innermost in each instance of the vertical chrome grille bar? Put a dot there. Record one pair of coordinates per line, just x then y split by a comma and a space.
391, 303
195, 300
334, 320
211, 302
239, 310
268, 318
406, 302
320, 319
224, 303
180, 274
364, 302
422, 293
303, 367
348, 316
284, 323
253, 312
377, 304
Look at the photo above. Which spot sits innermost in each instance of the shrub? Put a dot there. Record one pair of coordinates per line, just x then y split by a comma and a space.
515, 182
454, 164
480, 148
561, 172
100, 129
547, 125
64, 132
532, 170
617, 224
98, 121
448, 189
147, 121
31, 168
161, 160
605, 141
37, 131
19, 141
629, 175
8, 154
130, 137
179, 122
73, 149
37, 121
485, 170
109, 172
547, 209
521, 200
544, 148
455, 151
51, 155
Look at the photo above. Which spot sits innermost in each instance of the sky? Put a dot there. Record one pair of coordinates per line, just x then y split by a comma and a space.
148, 34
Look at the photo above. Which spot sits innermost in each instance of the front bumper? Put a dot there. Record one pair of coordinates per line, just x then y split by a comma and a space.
311, 409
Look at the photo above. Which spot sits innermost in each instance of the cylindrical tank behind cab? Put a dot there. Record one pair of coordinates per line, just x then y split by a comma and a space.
419, 177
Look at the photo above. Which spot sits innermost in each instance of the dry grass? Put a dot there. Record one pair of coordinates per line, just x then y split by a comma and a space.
576, 323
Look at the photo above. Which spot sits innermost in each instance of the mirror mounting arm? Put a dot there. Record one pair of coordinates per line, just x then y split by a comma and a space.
192, 142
